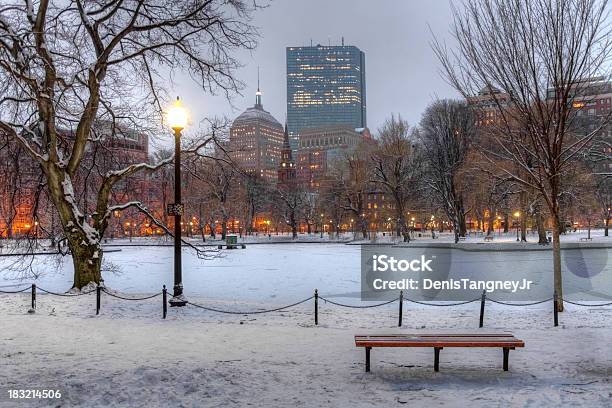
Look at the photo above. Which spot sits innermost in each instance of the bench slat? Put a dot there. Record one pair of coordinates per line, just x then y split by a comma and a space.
439, 340
443, 344
366, 336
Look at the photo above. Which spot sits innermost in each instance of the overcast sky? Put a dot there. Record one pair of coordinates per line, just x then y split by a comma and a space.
401, 70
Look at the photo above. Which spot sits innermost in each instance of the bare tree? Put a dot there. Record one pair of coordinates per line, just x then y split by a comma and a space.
289, 206
539, 53
397, 168
256, 198
71, 64
220, 178
447, 130
350, 179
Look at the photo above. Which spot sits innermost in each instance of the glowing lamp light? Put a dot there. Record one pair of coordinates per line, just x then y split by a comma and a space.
177, 115
517, 214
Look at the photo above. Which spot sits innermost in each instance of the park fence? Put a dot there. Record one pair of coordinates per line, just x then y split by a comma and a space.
100, 289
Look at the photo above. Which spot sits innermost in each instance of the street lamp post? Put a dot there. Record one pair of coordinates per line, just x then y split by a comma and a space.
36, 234
322, 225
518, 223
177, 120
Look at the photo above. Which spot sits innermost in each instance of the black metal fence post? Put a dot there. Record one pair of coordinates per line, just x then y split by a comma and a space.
165, 300
33, 296
316, 302
555, 311
401, 307
482, 306
98, 296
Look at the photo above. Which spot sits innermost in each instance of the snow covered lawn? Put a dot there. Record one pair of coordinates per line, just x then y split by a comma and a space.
129, 357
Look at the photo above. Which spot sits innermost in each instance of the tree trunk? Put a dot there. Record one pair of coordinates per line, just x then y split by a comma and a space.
606, 227
589, 229
542, 239
87, 261
462, 227
506, 222
223, 230
83, 239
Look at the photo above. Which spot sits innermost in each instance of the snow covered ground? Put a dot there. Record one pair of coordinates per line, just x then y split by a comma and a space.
284, 273
129, 357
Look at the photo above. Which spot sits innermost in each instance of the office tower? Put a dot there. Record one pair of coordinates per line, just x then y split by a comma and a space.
325, 86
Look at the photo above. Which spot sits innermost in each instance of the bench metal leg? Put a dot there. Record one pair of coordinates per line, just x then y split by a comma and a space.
506, 354
367, 365
437, 358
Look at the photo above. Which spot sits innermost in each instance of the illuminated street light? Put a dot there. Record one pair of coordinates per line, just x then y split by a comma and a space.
517, 215
177, 120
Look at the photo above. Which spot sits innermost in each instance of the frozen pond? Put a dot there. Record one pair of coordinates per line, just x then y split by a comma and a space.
264, 273
281, 273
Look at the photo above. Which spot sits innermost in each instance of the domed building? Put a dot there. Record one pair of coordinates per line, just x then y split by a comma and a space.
256, 141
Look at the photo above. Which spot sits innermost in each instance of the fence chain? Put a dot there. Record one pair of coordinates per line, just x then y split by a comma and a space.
585, 304
518, 304
442, 304
357, 306
251, 312
300, 302
16, 291
125, 298
65, 294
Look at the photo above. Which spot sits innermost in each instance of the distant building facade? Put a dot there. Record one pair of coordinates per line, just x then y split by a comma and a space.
319, 147
326, 85
486, 106
592, 104
25, 208
256, 140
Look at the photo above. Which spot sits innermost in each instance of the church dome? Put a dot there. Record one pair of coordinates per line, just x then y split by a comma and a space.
257, 113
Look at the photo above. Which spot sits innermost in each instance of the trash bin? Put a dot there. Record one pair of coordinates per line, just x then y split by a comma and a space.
231, 239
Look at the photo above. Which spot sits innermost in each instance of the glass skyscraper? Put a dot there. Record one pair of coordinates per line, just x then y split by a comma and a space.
325, 86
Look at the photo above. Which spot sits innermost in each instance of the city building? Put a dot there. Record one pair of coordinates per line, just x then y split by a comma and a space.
25, 208
319, 147
256, 140
325, 86
486, 105
286, 168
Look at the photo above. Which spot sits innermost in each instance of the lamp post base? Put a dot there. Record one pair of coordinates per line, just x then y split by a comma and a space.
178, 301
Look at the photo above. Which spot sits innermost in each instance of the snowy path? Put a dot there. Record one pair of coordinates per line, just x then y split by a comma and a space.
129, 357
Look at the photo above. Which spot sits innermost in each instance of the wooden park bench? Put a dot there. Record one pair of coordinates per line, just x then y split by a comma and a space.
585, 239
488, 238
506, 341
